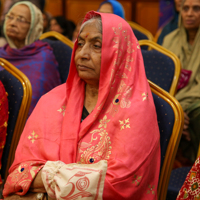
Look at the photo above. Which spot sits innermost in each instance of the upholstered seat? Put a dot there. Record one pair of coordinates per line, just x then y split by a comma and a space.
162, 67
176, 181
159, 68
62, 54
141, 33
19, 92
62, 49
170, 121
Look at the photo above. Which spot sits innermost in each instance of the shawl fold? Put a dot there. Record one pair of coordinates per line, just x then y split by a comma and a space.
38, 63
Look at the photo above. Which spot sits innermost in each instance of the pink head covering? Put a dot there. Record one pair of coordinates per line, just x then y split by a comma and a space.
122, 128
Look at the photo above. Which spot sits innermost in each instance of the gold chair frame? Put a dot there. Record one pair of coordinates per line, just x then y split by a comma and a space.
157, 34
57, 36
173, 142
177, 63
141, 29
24, 108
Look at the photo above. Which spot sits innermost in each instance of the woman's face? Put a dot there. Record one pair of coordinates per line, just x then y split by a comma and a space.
191, 14
45, 21
54, 26
106, 8
88, 54
18, 23
178, 5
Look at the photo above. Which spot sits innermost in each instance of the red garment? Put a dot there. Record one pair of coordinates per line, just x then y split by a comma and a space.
3, 120
190, 189
122, 128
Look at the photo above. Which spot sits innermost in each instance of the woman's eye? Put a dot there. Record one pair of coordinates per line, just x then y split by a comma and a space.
197, 8
80, 44
97, 46
185, 8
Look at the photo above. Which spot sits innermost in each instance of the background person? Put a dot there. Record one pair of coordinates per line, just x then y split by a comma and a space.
112, 6
172, 24
184, 42
62, 26
22, 28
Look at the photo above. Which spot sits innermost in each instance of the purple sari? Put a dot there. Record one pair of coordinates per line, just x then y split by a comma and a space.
38, 63
166, 11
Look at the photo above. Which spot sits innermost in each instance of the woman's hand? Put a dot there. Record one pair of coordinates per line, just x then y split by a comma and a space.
37, 184
185, 127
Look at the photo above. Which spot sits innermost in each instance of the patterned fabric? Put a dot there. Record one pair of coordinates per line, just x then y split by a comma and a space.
38, 63
3, 120
190, 189
70, 181
36, 26
114, 131
176, 181
23, 176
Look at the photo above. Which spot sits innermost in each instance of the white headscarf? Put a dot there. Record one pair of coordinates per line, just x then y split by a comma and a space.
36, 26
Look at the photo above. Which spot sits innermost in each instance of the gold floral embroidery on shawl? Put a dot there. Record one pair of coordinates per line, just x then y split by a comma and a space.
136, 180
151, 189
124, 124
23, 175
144, 96
62, 110
128, 62
121, 99
118, 29
102, 149
33, 137
99, 109
103, 122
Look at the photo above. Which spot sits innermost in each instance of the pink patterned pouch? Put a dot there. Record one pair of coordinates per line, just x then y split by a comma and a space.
74, 181
184, 78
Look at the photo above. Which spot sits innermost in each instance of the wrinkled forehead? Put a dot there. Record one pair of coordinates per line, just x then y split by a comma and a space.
21, 10
191, 1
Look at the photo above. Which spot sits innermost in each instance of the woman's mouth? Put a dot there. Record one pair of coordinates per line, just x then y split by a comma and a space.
83, 67
189, 22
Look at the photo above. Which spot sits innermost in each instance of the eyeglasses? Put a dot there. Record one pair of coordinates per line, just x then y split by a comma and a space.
18, 19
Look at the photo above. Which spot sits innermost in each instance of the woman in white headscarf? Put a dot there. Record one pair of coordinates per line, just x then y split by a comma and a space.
22, 28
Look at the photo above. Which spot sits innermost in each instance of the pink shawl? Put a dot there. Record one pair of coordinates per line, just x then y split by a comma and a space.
122, 128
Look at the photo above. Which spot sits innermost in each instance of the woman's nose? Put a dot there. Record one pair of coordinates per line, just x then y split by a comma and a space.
190, 11
85, 52
13, 21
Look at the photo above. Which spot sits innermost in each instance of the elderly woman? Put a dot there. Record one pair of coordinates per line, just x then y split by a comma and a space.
184, 42
86, 138
22, 28
112, 6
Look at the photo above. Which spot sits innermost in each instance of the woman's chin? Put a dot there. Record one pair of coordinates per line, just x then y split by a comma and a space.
12, 36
